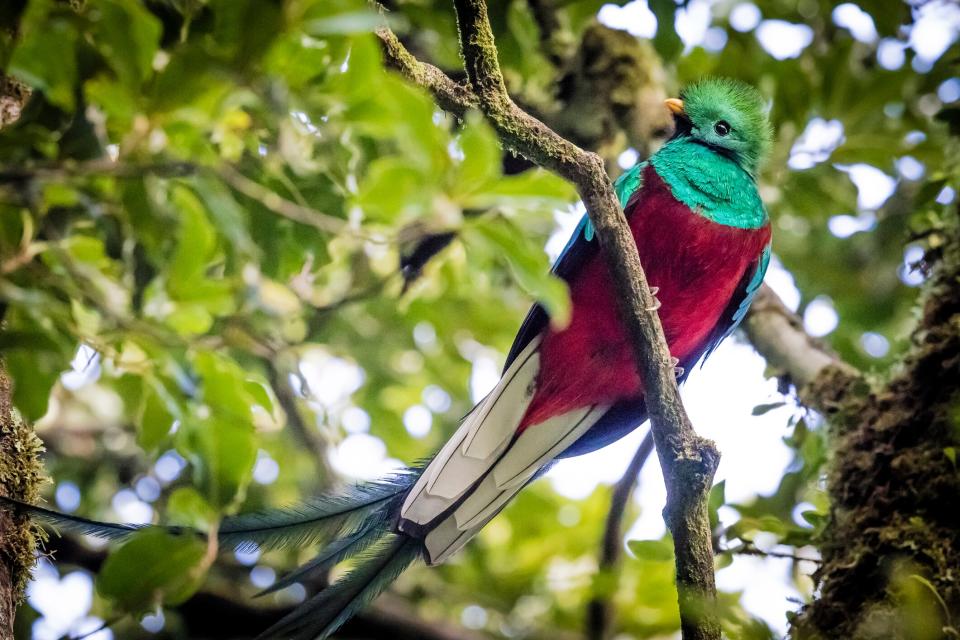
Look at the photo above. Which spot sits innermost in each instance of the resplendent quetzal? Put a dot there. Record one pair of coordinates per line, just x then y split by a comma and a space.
704, 242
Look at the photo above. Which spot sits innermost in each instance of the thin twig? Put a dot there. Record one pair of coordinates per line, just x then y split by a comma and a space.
69, 169
750, 550
288, 209
600, 608
291, 407
105, 625
271, 200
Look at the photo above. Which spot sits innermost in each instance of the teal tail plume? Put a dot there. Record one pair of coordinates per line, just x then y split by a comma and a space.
324, 613
357, 521
320, 519
73, 524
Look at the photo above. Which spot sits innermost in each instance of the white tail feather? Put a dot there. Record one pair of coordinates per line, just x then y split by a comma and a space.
490, 428
485, 464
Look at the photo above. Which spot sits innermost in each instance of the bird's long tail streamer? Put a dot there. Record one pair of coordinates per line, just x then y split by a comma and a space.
324, 613
321, 519
356, 521
71, 523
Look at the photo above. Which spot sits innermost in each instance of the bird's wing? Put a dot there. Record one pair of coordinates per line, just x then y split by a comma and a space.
624, 416
739, 303
580, 248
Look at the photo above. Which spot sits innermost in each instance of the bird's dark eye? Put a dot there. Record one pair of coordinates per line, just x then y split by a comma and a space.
722, 128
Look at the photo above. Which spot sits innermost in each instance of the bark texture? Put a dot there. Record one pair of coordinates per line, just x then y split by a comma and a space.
891, 549
13, 97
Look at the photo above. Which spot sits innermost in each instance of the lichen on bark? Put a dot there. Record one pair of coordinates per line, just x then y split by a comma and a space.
13, 96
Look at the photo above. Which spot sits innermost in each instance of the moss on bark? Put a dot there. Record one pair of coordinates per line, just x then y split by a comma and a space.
891, 549
21, 474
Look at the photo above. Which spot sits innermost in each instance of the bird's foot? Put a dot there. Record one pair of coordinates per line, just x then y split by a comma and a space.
654, 291
677, 370
656, 304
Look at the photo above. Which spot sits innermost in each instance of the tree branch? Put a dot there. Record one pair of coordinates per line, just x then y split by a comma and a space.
820, 376
554, 38
688, 461
451, 96
308, 437
600, 609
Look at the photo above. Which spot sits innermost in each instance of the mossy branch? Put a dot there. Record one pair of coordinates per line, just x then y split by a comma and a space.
688, 461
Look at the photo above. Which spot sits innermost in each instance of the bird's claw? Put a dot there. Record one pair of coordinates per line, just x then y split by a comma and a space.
656, 304
654, 291
677, 370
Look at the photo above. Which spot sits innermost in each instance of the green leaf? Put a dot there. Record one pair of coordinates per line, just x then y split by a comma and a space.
667, 43
127, 36
762, 409
33, 372
189, 319
225, 384
652, 550
951, 453
155, 417
220, 439
535, 187
153, 568
481, 162
226, 214
51, 69
344, 23
394, 189
815, 518
196, 242
717, 499
187, 507
259, 395
222, 452
527, 262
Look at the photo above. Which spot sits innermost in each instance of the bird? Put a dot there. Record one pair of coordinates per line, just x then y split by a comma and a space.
703, 237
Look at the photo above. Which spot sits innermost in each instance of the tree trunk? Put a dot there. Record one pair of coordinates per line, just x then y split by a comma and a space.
21, 473
21, 470
891, 549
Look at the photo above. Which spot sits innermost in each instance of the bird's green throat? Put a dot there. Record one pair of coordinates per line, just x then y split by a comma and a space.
711, 184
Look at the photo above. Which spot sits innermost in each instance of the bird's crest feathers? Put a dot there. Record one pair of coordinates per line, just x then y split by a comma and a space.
741, 107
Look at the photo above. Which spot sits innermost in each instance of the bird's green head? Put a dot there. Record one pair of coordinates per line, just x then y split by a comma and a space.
728, 116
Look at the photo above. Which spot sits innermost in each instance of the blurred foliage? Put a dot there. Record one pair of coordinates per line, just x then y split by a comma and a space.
213, 198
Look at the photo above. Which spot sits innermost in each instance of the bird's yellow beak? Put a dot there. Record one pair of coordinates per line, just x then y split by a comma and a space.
675, 105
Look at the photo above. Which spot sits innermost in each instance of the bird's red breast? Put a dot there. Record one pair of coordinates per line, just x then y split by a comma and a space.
697, 265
